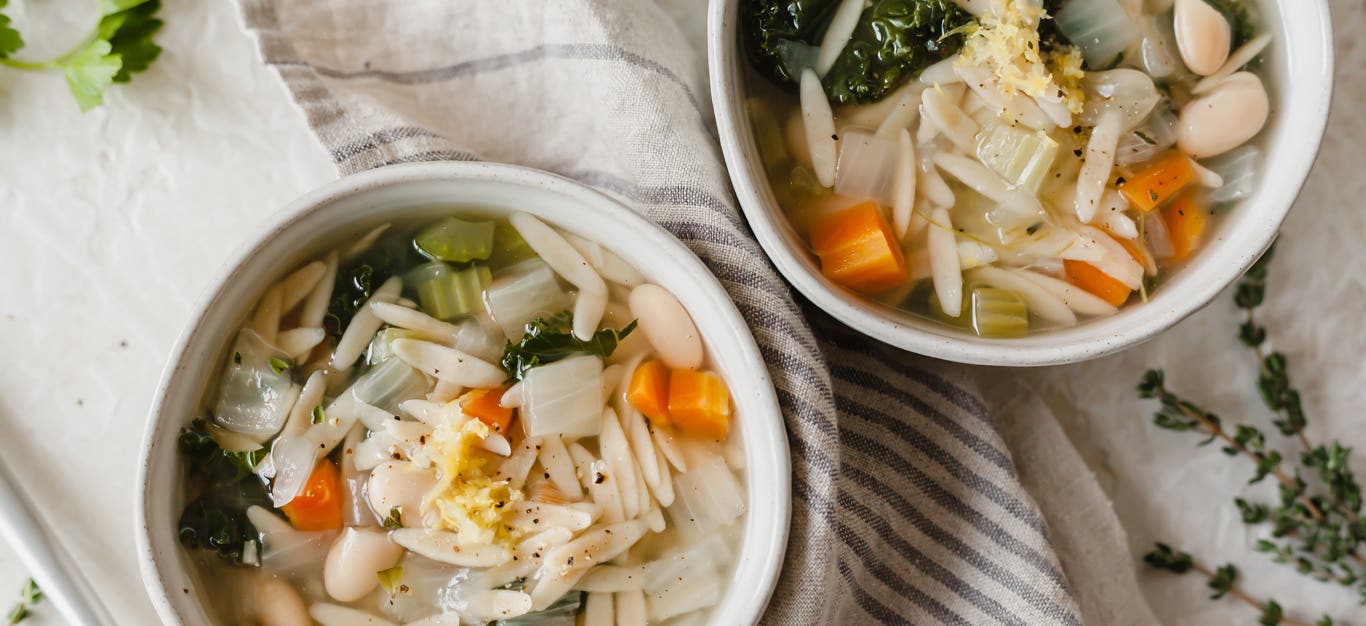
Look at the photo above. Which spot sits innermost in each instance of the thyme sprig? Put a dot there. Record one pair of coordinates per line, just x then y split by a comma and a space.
1315, 528
1223, 581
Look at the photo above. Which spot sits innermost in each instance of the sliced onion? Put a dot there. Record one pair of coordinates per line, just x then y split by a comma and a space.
293, 458
867, 167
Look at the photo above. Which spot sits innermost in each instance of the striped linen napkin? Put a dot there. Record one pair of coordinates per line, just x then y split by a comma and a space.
907, 505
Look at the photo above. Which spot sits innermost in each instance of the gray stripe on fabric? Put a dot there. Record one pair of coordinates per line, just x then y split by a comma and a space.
866, 556
841, 335
379, 139
955, 467
887, 388
435, 155
923, 562
952, 503
567, 51
1029, 593
670, 194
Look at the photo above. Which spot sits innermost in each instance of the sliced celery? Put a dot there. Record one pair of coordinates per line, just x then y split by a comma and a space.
389, 383
508, 246
991, 312
998, 313
456, 241
445, 292
1021, 156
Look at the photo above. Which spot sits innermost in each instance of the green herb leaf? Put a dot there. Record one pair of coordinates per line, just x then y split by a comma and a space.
549, 339
319, 416
10, 40
129, 26
395, 519
90, 71
18, 614
1272, 614
31, 594
278, 365
1164, 557
1223, 580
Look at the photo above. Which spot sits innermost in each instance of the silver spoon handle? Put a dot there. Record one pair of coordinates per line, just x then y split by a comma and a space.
48, 563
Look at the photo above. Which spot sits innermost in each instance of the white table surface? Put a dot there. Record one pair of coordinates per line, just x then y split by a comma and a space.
112, 222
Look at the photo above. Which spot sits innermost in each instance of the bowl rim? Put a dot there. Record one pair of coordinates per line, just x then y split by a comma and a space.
768, 462
1088, 340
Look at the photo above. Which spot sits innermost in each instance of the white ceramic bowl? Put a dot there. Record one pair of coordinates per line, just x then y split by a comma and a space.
353, 205
1303, 50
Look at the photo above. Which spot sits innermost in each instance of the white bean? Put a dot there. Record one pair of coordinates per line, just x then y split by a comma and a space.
667, 325
1225, 118
329, 614
278, 604
400, 485
349, 572
1203, 35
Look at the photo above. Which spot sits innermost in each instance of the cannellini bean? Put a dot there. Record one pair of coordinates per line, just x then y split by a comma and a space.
668, 327
400, 485
448, 364
1225, 118
819, 123
297, 286
337, 615
349, 572
1203, 35
278, 604
591, 301
446, 547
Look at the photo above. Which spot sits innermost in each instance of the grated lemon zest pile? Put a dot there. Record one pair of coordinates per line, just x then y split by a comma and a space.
1005, 40
466, 500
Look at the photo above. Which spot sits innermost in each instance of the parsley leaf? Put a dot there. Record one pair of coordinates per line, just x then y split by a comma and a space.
550, 339
10, 40
129, 32
90, 71
395, 519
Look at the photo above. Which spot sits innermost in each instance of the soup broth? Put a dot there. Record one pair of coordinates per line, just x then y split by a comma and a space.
469, 421
1005, 167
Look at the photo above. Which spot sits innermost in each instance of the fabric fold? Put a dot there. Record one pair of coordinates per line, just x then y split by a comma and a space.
907, 507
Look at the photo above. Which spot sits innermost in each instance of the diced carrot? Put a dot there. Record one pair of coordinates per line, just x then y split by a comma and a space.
649, 391
1090, 278
858, 250
1186, 220
483, 405
319, 505
1158, 183
699, 403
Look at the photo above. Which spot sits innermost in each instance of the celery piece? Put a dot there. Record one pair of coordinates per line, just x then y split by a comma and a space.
990, 312
445, 292
389, 383
508, 246
1021, 156
998, 313
456, 241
